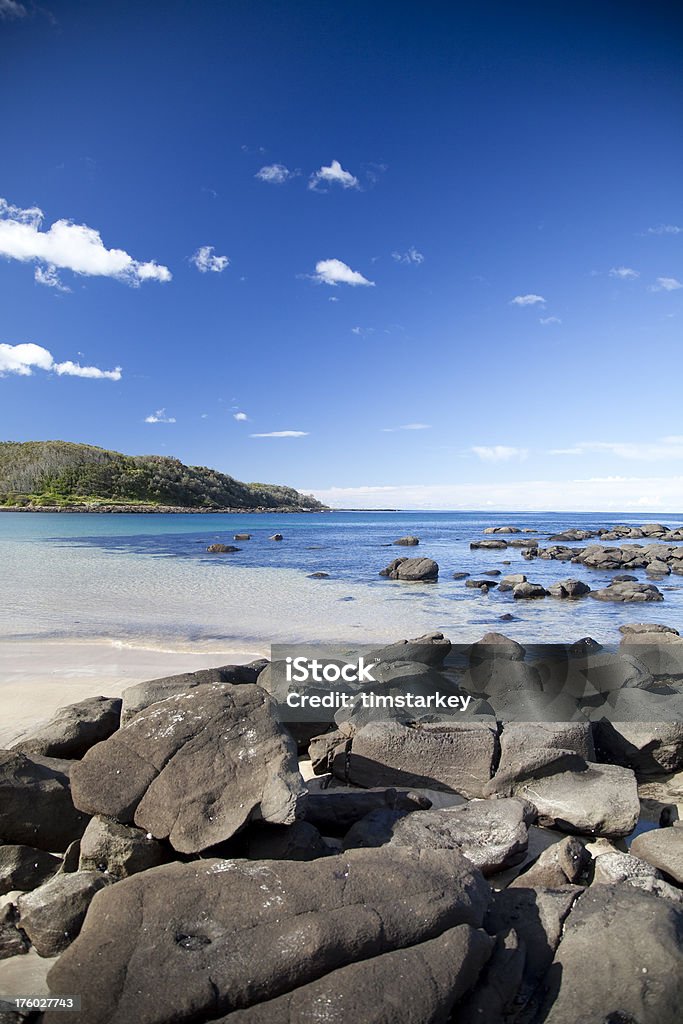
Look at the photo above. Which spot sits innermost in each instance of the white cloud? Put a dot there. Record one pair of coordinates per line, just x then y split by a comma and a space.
335, 272
24, 358
283, 433
411, 256
407, 426
241, 417
69, 246
546, 320
275, 174
665, 229
624, 273
49, 277
12, 9
596, 494
499, 452
205, 261
666, 284
159, 417
334, 174
527, 300
363, 332
670, 447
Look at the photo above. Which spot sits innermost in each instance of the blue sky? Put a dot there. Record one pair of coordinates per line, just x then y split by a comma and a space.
437, 246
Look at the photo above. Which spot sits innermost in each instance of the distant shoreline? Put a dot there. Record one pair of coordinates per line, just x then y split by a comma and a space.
150, 509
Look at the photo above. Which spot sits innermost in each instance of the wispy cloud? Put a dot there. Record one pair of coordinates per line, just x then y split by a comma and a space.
241, 417
407, 426
205, 260
665, 229
499, 453
411, 256
547, 320
624, 273
363, 332
335, 272
49, 277
159, 417
527, 300
666, 284
332, 175
275, 174
23, 359
670, 447
69, 246
12, 9
282, 433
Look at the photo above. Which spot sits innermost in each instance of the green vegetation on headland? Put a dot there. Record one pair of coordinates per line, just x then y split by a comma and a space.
60, 474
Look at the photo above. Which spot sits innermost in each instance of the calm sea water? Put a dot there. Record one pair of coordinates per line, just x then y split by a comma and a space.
149, 577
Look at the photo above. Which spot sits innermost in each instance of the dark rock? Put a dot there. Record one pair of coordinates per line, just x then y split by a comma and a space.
636, 974
457, 758
430, 649
512, 581
219, 935
496, 992
141, 695
647, 747
563, 863
569, 588
22, 867
492, 834
318, 576
637, 592
586, 645
624, 577
484, 585
496, 646
507, 617
407, 542
334, 811
489, 545
276, 536
194, 768
415, 985
13, 942
74, 729
242, 536
118, 849
221, 549
460, 575
37, 809
647, 627
52, 915
411, 569
663, 848
492, 572
528, 590
300, 841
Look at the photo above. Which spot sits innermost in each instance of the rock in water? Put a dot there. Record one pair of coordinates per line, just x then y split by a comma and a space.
74, 729
194, 768
407, 542
411, 569
221, 549
185, 942
37, 809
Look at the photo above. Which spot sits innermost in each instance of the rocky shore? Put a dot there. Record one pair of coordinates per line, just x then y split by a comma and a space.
148, 509
520, 861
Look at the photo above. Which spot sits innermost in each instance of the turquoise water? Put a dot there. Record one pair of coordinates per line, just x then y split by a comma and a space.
139, 576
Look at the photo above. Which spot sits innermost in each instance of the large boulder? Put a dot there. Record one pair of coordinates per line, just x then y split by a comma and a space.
563, 863
647, 747
74, 729
636, 592
120, 850
52, 915
408, 541
569, 588
614, 866
430, 649
619, 960
141, 695
572, 794
663, 848
194, 768
456, 757
406, 986
528, 591
492, 834
24, 868
37, 809
334, 811
411, 569
185, 942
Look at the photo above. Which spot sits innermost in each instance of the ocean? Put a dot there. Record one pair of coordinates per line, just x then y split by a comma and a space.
147, 578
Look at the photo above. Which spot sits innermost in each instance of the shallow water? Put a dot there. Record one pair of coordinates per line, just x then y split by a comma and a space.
148, 576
